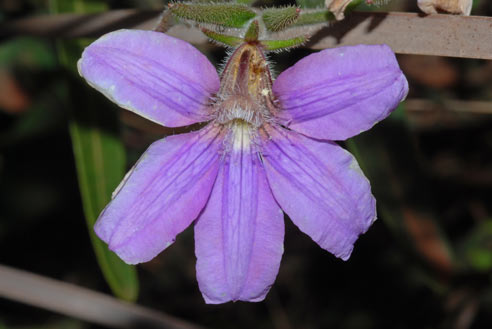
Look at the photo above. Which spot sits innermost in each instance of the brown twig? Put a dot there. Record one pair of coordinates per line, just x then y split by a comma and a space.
80, 25
81, 303
449, 105
410, 33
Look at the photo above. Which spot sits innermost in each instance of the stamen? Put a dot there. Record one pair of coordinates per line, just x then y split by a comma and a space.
241, 135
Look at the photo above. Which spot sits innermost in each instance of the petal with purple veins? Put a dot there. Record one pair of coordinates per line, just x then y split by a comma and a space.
338, 93
239, 236
159, 77
321, 187
163, 194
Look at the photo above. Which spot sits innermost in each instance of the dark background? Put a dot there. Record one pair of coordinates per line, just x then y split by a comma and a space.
426, 263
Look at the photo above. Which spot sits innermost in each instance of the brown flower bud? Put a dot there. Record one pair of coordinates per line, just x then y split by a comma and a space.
337, 7
458, 7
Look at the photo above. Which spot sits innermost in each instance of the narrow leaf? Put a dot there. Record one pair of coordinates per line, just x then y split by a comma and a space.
99, 155
100, 161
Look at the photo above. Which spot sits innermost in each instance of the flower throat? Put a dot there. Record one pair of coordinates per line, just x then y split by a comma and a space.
246, 88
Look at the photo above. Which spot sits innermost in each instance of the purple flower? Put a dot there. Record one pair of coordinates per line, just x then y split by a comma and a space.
266, 148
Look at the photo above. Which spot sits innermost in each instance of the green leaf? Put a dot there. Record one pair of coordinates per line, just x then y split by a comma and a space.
223, 14
100, 161
99, 154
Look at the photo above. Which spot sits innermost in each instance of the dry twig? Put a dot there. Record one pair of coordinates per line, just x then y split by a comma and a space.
81, 303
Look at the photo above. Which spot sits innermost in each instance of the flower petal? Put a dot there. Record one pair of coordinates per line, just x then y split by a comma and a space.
163, 194
161, 78
321, 187
239, 236
338, 93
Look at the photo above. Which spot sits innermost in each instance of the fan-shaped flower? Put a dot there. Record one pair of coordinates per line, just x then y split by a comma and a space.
266, 147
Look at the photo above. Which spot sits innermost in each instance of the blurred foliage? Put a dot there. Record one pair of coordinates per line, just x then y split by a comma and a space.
476, 248
20, 60
426, 263
27, 52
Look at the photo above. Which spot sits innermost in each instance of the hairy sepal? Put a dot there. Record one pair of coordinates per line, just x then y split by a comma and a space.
221, 14
279, 45
222, 39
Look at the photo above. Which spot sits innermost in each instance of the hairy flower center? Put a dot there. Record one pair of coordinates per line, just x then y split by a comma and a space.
246, 88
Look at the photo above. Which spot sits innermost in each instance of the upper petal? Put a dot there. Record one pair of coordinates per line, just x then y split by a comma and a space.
162, 195
341, 92
321, 187
239, 236
159, 77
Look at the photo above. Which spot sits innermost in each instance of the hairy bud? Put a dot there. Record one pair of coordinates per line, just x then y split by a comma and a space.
278, 19
223, 14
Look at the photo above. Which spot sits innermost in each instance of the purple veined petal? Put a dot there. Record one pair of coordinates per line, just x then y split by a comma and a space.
161, 78
338, 93
321, 187
239, 236
163, 194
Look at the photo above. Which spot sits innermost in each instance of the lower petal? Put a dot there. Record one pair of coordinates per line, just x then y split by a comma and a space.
321, 187
162, 195
239, 236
